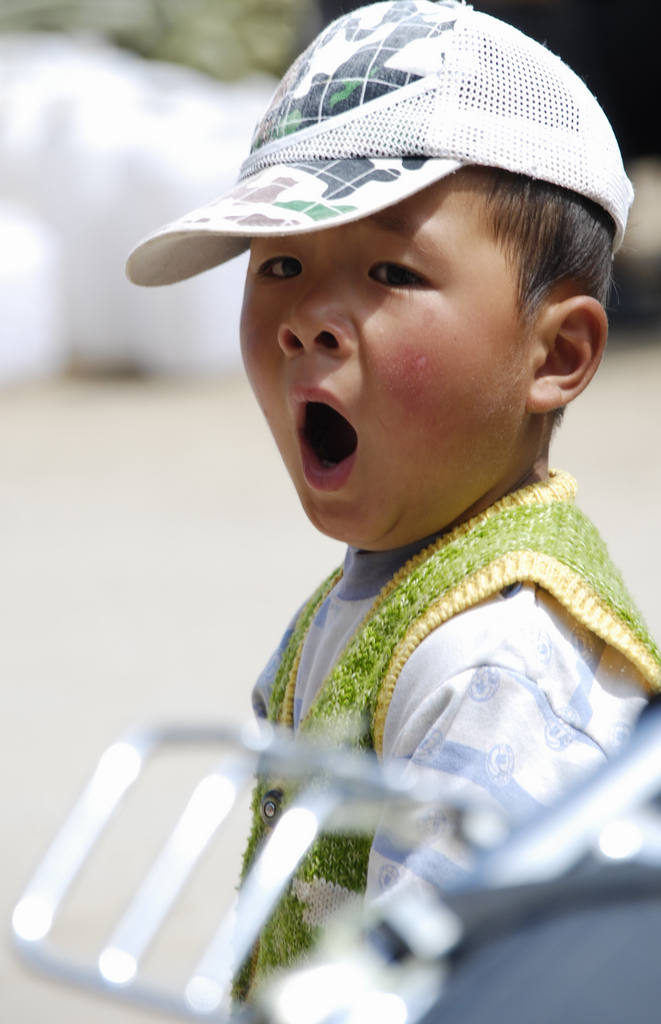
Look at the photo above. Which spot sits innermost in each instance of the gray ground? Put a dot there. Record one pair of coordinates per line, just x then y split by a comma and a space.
152, 550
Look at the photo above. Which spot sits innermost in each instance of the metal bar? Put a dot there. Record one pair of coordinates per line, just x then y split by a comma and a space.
117, 771
207, 808
291, 839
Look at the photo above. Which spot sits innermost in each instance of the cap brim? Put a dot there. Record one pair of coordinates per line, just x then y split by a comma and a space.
287, 199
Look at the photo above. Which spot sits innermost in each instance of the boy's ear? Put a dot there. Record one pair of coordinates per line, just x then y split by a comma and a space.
569, 340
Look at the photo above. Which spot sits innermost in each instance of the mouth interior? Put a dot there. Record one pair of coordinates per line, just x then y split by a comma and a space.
331, 437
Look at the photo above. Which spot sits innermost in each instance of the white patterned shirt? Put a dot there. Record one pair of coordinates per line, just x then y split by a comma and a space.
511, 704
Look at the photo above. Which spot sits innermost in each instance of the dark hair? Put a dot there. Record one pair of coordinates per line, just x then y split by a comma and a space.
551, 235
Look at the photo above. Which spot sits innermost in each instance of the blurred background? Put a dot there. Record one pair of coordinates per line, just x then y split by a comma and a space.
151, 546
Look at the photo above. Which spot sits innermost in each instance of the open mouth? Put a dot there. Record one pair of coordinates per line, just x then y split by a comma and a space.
331, 437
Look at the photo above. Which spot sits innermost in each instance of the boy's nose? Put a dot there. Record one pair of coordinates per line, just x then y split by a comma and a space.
319, 320
290, 342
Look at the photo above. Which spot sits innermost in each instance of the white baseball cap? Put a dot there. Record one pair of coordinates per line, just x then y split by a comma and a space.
387, 100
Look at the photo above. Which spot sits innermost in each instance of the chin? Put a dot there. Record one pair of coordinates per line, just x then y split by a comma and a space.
338, 524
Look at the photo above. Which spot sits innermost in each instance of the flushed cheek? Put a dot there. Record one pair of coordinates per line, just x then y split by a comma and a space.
400, 370
412, 380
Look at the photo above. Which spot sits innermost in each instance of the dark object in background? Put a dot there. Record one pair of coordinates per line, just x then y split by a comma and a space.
612, 45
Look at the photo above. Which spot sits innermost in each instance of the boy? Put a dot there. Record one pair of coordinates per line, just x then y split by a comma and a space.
432, 202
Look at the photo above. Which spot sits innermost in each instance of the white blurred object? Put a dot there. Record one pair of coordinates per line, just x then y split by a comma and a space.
106, 147
32, 330
644, 231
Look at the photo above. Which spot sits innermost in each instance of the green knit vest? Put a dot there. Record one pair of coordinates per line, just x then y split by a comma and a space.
536, 535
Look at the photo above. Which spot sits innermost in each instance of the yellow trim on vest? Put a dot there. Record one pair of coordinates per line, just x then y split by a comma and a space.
560, 486
518, 567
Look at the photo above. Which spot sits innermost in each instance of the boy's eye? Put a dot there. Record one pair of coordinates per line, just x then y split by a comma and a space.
281, 266
395, 276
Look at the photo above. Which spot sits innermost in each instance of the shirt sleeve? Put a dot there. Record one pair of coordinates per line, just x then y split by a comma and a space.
261, 691
509, 705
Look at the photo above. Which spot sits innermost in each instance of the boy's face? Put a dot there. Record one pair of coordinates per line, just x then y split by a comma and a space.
393, 368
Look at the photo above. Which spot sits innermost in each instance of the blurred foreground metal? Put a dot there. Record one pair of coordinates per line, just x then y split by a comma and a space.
561, 920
